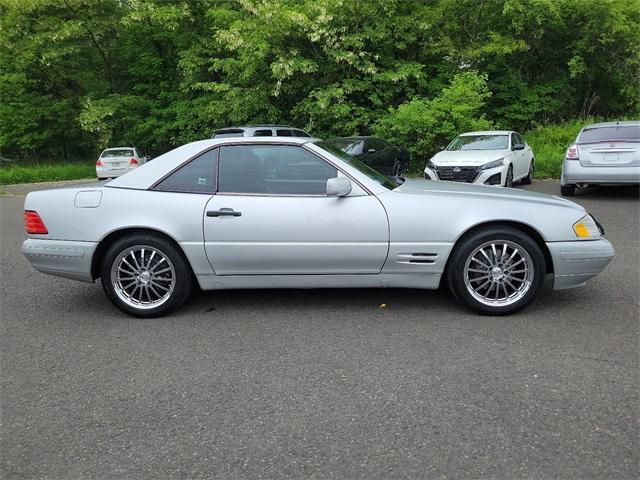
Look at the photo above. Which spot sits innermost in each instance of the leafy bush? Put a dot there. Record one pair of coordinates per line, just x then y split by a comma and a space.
549, 144
46, 173
423, 125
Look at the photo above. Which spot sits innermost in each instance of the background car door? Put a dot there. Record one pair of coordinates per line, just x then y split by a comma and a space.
271, 215
517, 158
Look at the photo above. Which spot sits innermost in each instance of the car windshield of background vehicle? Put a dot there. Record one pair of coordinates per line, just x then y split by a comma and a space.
355, 163
624, 133
480, 142
117, 153
352, 147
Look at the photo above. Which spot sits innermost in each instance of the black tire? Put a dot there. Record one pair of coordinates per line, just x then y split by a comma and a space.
528, 180
508, 181
181, 275
467, 247
567, 190
398, 168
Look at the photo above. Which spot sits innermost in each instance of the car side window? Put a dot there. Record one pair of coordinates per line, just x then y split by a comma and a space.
272, 170
514, 140
300, 133
284, 132
520, 139
197, 176
263, 133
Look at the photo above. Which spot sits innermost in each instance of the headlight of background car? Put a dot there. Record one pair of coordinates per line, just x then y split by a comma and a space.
495, 163
586, 227
431, 165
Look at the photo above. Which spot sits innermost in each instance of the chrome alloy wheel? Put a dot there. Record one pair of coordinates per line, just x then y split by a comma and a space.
143, 277
498, 273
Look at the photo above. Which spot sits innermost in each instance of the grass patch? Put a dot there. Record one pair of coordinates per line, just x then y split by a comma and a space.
46, 173
549, 144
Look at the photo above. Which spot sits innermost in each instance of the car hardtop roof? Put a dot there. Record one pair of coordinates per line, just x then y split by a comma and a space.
117, 148
487, 132
622, 123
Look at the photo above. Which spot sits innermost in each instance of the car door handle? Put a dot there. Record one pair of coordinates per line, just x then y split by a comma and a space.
224, 212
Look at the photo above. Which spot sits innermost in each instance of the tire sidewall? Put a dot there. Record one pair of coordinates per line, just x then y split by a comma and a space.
184, 277
464, 248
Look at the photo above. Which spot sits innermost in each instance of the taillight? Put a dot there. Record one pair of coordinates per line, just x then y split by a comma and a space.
133, 162
33, 224
572, 153
98, 163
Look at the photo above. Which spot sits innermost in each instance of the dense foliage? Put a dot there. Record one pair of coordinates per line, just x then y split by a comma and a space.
78, 75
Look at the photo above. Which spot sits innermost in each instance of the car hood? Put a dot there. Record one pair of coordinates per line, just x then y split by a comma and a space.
428, 187
467, 157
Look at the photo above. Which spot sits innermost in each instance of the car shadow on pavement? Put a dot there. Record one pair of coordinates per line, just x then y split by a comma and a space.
606, 191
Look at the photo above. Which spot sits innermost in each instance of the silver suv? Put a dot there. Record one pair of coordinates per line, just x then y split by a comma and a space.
603, 154
260, 131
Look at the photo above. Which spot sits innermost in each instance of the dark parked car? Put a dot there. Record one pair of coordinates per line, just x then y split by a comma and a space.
375, 152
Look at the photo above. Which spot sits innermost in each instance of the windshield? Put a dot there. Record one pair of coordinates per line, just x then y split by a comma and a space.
612, 133
348, 145
117, 153
480, 142
360, 166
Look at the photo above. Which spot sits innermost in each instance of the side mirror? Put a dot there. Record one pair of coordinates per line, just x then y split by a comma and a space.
338, 187
442, 147
147, 158
518, 146
371, 150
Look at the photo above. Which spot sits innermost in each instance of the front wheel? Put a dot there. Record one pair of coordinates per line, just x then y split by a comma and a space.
508, 181
496, 271
398, 169
567, 190
145, 275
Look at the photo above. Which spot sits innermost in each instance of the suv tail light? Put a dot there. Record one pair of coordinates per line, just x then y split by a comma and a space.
98, 163
33, 224
133, 162
572, 153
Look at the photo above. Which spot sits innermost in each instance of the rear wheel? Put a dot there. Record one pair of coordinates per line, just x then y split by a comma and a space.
567, 190
146, 275
496, 271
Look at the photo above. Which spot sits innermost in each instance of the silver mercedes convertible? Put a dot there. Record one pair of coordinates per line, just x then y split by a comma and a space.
299, 213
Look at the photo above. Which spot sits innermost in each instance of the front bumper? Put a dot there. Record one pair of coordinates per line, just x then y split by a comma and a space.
573, 172
60, 257
480, 177
576, 262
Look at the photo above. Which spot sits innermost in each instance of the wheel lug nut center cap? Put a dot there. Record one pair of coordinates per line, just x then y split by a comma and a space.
145, 277
497, 274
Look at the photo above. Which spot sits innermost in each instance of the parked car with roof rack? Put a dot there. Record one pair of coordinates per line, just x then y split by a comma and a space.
260, 131
498, 157
603, 154
117, 161
375, 152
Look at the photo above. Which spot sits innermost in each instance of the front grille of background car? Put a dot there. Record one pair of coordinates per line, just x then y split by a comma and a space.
466, 174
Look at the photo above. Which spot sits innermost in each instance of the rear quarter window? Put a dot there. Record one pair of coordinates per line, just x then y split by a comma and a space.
197, 176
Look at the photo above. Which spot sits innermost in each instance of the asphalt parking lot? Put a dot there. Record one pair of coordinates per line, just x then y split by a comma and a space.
322, 383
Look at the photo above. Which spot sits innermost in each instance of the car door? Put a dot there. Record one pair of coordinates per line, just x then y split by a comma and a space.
271, 216
517, 157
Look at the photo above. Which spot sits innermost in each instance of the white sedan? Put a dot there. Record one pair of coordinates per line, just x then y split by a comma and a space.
114, 162
487, 158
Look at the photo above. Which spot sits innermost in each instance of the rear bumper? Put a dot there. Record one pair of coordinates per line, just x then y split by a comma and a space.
573, 172
60, 258
576, 262
105, 172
